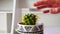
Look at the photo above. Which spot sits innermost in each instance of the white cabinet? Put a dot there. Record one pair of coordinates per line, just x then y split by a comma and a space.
3, 25
6, 12
5, 22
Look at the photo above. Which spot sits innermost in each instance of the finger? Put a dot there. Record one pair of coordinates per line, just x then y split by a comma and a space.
39, 3
58, 10
36, 4
56, 4
43, 0
41, 6
54, 11
46, 11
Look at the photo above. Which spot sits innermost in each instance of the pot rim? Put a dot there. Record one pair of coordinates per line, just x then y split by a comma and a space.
29, 25
26, 25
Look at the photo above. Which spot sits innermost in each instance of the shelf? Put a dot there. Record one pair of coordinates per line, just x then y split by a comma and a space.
6, 11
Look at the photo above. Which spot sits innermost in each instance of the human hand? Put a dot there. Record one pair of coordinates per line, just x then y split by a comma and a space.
53, 4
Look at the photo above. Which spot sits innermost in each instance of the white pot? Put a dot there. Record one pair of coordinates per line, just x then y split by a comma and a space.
37, 29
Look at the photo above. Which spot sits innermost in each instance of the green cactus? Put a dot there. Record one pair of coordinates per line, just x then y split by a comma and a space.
29, 19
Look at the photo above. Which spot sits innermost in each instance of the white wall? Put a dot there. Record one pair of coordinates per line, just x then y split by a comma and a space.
31, 2
51, 20
6, 4
26, 3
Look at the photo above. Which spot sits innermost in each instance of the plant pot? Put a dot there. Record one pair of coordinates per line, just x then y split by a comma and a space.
30, 29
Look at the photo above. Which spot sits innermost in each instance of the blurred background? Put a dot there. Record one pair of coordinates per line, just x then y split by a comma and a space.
6, 11
49, 20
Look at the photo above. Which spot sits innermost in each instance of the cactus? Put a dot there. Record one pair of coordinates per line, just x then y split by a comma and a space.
29, 19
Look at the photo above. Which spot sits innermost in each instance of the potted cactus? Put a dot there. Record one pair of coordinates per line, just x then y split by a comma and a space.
29, 19
28, 25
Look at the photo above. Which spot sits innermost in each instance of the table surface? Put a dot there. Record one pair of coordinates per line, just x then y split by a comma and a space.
52, 30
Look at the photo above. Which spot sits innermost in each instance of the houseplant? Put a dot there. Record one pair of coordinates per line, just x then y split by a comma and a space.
29, 25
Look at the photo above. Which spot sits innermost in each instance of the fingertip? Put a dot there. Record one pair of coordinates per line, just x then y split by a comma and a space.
36, 4
46, 11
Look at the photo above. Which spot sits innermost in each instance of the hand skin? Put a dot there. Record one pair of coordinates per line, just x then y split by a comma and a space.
53, 4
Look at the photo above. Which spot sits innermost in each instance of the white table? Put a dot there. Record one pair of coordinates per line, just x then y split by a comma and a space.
55, 30
52, 30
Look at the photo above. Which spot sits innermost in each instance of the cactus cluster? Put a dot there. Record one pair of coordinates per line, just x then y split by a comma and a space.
29, 19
